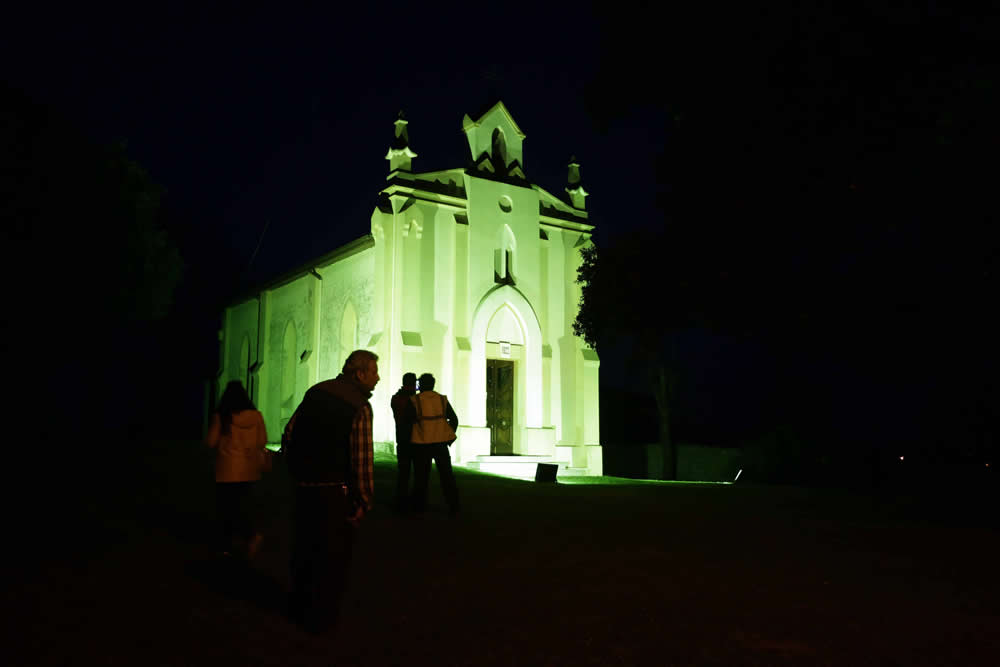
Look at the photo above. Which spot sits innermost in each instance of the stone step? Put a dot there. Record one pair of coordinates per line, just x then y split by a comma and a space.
572, 472
517, 458
518, 467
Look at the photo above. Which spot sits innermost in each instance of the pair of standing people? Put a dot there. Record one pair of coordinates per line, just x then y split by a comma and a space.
425, 429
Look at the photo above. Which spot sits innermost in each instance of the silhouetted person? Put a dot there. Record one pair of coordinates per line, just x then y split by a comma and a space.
238, 435
330, 455
434, 424
404, 428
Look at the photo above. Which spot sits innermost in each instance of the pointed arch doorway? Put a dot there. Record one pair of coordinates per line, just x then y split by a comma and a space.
505, 366
500, 405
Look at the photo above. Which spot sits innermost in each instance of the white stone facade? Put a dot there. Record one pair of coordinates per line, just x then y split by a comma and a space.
460, 267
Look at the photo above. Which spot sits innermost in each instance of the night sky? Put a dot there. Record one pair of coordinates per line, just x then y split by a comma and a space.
835, 148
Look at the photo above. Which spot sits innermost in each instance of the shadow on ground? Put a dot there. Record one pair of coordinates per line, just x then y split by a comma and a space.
238, 581
533, 574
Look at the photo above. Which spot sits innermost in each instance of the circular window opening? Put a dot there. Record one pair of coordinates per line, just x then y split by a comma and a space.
506, 204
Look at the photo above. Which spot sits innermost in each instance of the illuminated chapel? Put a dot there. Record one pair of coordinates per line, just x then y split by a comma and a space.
466, 273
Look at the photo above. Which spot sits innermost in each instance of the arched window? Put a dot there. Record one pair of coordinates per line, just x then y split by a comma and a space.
288, 365
505, 258
499, 148
348, 332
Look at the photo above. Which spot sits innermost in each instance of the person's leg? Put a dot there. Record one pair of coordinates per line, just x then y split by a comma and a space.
421, 476
442, 459
254, 518
225, 504
334, 560
303, 552
404, 462
243, 523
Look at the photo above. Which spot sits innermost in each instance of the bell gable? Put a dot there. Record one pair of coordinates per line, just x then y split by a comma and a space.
495, 138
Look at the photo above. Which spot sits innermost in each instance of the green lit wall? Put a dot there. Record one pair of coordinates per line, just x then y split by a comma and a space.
422, 292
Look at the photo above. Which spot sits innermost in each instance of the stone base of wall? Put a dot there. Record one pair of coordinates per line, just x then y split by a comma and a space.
472, 442
539, 441
472, 448
595, 460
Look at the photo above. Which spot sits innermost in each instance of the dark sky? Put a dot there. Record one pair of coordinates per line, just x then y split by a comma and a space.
255, 115
829, 145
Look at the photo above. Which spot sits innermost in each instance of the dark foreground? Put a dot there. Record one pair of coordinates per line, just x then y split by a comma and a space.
530, 574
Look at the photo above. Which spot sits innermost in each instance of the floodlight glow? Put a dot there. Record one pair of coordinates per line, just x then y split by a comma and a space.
383, 292
738, 474
900, 458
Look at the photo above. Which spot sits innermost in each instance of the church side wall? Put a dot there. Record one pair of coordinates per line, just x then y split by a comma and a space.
290, 334
347, 310
347, 322
308, 326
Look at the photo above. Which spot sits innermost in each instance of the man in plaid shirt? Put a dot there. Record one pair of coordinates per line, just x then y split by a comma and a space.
330, 455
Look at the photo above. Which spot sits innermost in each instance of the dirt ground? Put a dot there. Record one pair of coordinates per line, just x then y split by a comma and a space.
530, 574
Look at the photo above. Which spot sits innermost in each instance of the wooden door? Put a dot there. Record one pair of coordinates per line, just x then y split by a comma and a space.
500, 405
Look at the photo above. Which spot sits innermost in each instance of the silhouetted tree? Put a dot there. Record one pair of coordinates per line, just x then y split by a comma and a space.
88, 267
83, 217
637, 291
835, 158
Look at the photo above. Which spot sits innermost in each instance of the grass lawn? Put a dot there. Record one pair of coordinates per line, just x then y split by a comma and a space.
603, 574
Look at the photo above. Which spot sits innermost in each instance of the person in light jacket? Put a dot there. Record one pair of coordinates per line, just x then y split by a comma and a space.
238, 435
434, 423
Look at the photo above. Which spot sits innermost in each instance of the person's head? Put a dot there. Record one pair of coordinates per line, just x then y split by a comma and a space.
362, 367
410, 381
234, 399
426, 382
